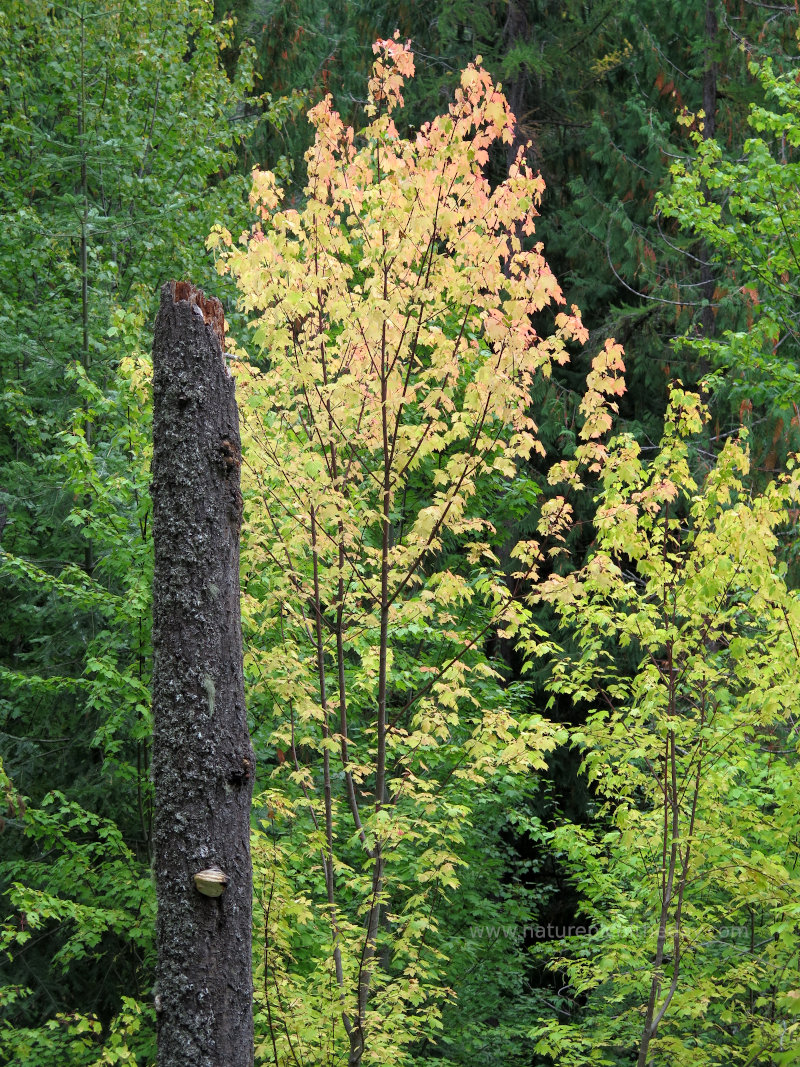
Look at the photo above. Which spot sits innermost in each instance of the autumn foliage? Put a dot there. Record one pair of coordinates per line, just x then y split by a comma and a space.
398, 339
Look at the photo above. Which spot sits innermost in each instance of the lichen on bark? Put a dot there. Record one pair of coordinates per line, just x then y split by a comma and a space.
202, 756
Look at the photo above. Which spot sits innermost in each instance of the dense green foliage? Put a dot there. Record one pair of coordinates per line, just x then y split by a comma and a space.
745, 211
660, 639
690, 878
118, 129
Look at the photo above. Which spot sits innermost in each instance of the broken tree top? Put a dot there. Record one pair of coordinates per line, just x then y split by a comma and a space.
208, 306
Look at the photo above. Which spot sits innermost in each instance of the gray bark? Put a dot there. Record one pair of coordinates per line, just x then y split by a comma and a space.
707, 272
203, 761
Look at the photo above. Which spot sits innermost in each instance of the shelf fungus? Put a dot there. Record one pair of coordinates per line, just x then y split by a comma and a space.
211, 882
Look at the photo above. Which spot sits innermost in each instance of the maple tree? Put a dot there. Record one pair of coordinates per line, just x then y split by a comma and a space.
687, 875
396, 319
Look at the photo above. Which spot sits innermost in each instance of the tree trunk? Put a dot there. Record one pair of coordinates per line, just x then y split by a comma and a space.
708, 282
203, 761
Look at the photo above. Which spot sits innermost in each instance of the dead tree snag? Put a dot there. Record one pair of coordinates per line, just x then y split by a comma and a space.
202, 757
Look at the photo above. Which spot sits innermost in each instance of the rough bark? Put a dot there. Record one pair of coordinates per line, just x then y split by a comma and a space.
708, 282
203, 761
518, 28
